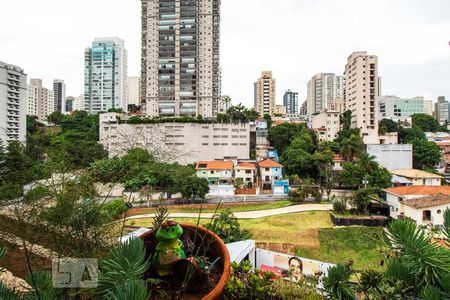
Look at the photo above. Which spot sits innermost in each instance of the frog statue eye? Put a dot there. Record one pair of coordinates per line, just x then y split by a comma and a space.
173, 229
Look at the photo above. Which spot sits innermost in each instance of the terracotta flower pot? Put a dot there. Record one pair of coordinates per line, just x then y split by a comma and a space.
205, 242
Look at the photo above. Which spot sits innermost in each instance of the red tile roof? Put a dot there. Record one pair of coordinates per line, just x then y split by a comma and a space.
246, 165
419, 190
214, 165
338, 157
268, 163
429, 201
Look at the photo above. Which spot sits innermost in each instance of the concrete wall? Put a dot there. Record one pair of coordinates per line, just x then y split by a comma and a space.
392, 156
437, 214
176, 142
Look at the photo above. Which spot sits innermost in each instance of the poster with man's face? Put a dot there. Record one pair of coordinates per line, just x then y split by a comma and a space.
296, 266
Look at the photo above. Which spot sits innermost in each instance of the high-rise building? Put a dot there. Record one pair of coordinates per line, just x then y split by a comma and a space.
69, 105
265, 94
428, 107
303, 108
290, 101
13, 103
134, 90
322, 89
105, 75
180, 57
362, 93
441, 110
393, 107
79, 103
59, 95
41, 101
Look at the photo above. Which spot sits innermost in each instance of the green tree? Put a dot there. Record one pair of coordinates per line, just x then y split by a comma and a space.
352, 175
282, 135
425, 154
193, 187
426, 123
387, 125
268, 119
56, 118
351, 147
408, 135
227, 227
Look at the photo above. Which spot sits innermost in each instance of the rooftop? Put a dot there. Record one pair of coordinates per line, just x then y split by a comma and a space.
268, 163
414, 173
214, 165
429, 201
419, 190
246, 165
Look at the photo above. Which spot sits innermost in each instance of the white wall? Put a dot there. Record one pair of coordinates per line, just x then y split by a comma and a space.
417, 214
392, 156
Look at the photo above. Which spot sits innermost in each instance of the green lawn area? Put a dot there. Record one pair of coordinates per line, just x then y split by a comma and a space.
234, 207
312, 235
360, 244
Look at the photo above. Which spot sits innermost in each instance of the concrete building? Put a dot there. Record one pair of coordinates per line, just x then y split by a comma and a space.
419, 177
441, 110
362, 91
69, 105
176, 142
290, 101
265, 94
59, 95
79, 103
396, 108
392, 156
322, 89
423, 204
105, 75
247, 171
303, 108
134, 90
40, 100
326, 124
13, 103
280, 110
428, 107
180, 65
270, 171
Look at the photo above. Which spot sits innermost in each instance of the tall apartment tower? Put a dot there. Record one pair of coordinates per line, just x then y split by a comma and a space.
441, 110
180, 57
322, 89
13, 103
134, 90
40, 102
362, 91
290, 101
105, 75
265, 94
59, 95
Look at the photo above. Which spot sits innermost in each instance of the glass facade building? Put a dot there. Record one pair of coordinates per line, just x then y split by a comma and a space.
105, 75
393, 107
290, 101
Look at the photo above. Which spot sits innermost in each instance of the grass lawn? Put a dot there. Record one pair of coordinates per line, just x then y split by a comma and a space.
360, 244
235, 207
312, 235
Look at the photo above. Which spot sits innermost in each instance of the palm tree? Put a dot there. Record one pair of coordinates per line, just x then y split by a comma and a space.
351, 147
368, 162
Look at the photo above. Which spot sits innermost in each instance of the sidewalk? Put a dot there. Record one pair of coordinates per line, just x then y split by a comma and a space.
249, 214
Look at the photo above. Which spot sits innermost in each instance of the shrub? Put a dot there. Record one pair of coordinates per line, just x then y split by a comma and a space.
238, 182
114, 208
298, 195
227, 227
340, 205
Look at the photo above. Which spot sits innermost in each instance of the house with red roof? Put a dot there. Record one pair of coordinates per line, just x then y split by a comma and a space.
270, 171
247, 171
215, 171
424, 204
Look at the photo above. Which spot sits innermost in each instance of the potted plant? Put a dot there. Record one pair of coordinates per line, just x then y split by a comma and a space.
202, 274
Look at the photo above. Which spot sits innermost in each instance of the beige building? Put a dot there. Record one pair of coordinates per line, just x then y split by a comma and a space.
419, 177
265, 94
428, 107
79, 103
326, 124
134, 90
362, 91
280, 110
180, 66
13, 100
322, 89
176, 142
40, 100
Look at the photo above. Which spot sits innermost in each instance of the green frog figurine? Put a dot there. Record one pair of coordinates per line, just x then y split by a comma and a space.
169, 249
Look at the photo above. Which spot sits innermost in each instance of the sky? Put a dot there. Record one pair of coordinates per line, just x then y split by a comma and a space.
293, 38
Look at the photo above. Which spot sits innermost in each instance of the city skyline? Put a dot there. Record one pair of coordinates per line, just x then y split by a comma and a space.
410, 39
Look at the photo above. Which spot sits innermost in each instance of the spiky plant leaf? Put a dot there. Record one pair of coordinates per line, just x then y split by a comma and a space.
124, 262
447, 223
6, 294
424, 259
431, 293
132, 289
337, 284
42, 288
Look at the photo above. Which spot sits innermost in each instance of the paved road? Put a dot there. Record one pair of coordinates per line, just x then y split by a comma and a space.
250, 214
